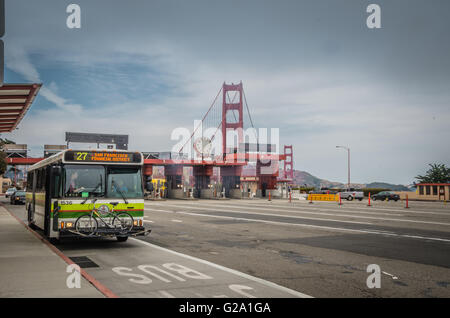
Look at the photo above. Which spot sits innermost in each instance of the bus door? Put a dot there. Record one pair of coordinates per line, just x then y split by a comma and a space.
52, 190
48, 199
31, 207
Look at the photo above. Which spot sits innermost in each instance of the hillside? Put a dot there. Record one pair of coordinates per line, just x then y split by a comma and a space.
302, 177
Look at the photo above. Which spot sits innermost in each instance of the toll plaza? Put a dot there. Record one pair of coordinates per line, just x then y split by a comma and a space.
209, 176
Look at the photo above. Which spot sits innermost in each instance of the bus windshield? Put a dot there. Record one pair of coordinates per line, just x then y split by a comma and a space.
125, 180
80, 179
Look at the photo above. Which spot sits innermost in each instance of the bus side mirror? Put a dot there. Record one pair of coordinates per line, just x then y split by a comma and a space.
56, 171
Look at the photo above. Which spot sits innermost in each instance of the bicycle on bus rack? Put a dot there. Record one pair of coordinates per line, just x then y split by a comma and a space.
120, 223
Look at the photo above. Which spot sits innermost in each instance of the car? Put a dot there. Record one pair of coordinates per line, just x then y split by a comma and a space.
10, 192
350, 195
18, 197
386, 195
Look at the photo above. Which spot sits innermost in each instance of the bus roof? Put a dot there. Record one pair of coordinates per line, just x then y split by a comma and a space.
108, 157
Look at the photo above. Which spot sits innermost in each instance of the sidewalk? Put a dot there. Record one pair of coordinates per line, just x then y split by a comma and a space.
29, 268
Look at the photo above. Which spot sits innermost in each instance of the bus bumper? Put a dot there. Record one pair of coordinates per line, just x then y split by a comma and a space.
106, 232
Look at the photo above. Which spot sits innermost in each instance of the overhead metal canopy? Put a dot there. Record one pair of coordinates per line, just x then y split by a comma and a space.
15, 100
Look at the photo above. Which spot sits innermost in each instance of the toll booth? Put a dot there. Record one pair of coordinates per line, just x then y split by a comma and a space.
203, 187
231, 180
174, 181
267, 173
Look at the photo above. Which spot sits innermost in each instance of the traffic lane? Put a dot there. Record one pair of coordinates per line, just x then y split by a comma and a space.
138, 268
421, 207
425, 247
339, 214
303, 221
402, 218
327, 267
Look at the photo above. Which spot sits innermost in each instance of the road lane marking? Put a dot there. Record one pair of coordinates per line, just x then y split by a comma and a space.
358, 209
364, 208
166, 294
228, 270
177, 221
277, 215
293, 210
310, 226
333, 220
393, 277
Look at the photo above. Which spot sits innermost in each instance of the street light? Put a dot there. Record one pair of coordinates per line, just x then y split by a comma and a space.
348, 153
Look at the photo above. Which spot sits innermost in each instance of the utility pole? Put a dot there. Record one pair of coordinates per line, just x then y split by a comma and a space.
348, 164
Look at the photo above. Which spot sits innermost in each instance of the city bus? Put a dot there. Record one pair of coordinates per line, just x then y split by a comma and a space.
87, 193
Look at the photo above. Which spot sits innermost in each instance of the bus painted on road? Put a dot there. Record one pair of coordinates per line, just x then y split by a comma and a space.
67, 187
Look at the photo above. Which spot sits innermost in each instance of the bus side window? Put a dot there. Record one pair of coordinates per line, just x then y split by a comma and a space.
38, 180
56, 191
43, 176
30, 181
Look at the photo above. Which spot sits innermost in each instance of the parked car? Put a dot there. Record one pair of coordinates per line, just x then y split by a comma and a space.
389, 195
10, 192
350, 195
18, 197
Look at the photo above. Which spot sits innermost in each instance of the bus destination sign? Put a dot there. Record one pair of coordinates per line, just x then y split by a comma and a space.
102, 156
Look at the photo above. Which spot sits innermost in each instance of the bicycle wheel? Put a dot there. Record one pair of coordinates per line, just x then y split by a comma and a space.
123, 222
86, 224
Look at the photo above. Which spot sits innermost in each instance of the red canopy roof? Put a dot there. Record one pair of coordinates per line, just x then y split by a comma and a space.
15, 100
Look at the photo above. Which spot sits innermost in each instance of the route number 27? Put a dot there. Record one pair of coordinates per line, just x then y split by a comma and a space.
81, 156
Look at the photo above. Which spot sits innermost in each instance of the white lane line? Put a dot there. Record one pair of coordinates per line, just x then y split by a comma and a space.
228, 270
270, 214
331, 214
177, 221
393, 277
346, 208
166, 294
293, 210
148, 221
383, 233
368, 208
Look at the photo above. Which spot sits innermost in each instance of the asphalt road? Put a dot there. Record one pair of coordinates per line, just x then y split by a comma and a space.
232, 248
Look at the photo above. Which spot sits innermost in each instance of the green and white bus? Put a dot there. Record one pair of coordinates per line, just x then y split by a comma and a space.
87, 193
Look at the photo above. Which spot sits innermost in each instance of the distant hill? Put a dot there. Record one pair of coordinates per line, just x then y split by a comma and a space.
302, 177
393, 187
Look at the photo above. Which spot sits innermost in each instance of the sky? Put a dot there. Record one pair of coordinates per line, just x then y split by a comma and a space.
313, 69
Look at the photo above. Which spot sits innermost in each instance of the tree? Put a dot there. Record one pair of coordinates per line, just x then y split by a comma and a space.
438, 173
3, 164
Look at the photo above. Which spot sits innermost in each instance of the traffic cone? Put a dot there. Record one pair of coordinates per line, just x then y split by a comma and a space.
270, 198
369, 200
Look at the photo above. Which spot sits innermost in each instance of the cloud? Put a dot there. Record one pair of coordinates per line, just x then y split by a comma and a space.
310, 68
19, 62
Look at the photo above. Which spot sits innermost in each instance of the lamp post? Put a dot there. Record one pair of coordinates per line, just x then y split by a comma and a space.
348, 162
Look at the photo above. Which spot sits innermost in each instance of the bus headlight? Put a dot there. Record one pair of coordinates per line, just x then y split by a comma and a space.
66, 225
